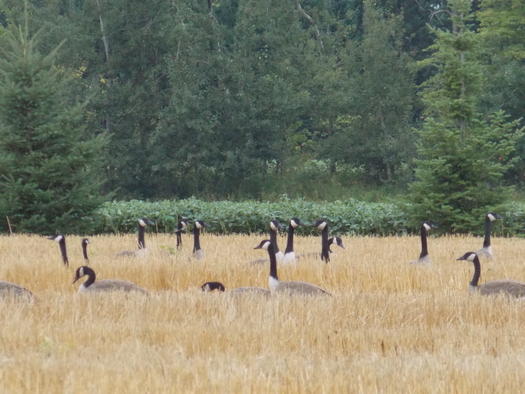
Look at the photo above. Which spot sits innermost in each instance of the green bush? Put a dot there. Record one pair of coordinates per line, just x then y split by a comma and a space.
225, 217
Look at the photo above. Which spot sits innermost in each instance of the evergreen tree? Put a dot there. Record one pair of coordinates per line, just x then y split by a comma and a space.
381, 138
462, 156
503, 43
48, 171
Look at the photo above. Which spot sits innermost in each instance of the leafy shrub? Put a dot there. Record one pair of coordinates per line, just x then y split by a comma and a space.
225, 217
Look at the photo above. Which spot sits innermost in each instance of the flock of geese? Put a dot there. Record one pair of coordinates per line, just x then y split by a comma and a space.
275, 256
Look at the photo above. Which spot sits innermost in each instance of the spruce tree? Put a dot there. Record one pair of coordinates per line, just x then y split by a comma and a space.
48, 170
463, 155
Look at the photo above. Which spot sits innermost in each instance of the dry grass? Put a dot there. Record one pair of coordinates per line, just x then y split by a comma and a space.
390, 326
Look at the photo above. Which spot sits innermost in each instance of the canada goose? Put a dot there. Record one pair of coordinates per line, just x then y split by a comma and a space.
275, 226
323, 226
61, 239
210, 286
424, 257
181, 226
290, 287
486, 250
504, 286
197, 251
105, 285
331, 241
85, 243
141, 241
11, 290
289, 254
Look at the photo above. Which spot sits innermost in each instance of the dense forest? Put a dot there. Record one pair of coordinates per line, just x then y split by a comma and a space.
259, 98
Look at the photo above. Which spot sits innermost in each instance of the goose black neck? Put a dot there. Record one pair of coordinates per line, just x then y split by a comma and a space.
142, 243
273, 240
84, 250
289, 242
486, 241
424, 248
62, 244
91, 276
330, 243
196, 239
477, 272
325, 254
273, 262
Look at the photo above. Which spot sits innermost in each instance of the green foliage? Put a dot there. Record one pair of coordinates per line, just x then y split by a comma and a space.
381, 138
225, 217
462, 156
48, 172
345, 217
503, 45
502, 24
231, 101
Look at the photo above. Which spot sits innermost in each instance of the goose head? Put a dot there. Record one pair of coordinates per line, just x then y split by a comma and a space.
493, 216
428, 225
320, 224
337, 241
210, 286
57, 238
200, 224
263, 245
80, 272
469, 256
295, 222
145, 222
275, 225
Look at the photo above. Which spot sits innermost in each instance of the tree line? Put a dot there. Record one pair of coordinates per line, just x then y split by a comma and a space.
231, 98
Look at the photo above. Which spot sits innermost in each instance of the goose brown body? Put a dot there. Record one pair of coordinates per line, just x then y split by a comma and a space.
8, 289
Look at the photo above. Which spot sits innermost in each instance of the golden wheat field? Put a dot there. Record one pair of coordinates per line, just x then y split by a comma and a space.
389, 326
